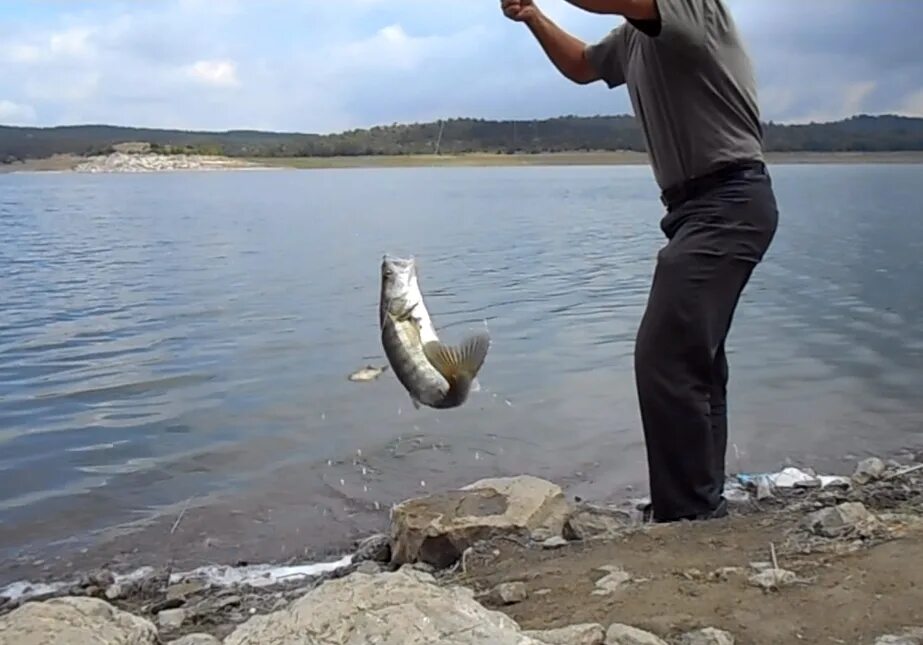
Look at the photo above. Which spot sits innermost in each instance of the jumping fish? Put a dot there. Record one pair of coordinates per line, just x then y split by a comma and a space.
367, 373
434, 374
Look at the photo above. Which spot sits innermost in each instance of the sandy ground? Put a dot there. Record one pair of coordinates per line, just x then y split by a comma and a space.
848, 591
566, 159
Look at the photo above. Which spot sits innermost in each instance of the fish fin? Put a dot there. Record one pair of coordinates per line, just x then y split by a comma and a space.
406, 315
462, 362
416, 404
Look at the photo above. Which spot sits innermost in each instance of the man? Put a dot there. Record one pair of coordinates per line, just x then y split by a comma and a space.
692, 89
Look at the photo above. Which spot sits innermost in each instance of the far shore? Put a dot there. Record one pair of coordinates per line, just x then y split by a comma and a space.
576, 158
70, 163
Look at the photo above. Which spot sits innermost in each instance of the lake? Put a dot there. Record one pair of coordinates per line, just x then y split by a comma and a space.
175, 346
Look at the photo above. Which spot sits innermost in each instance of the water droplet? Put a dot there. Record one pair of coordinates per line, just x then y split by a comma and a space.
364, 470
377, 506
507, 401
330, 462
477, 455
365, 488
422, 483
342, 482
359, 452
323, 415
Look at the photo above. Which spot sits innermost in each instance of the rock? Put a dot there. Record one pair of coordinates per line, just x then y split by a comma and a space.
228, 601
182, 590
100, 579
838, 520
508, 593
437, 529
75, 621
171, 618
196, 639
384, 608
912, 636
763, 489
115, 591
589, 522
773, 579
619, 634
725, 573
585, 634
376, 548
369, 567
616, 578
707, 636
869, 470
555, 542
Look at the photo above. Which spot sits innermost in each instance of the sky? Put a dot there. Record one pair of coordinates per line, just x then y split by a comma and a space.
329, 65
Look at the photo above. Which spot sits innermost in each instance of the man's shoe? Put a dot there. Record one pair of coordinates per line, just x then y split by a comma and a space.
720, 511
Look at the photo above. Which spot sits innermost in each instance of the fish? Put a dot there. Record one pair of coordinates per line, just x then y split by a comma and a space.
367, 373
434, 374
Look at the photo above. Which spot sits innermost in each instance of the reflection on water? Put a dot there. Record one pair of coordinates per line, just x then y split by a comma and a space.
176, 336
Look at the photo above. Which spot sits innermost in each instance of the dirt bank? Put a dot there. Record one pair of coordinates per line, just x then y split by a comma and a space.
850, 589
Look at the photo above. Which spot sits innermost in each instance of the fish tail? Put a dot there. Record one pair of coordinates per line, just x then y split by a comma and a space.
459, 364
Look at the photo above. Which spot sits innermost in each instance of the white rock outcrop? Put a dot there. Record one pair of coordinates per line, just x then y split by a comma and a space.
405, 607
74, 621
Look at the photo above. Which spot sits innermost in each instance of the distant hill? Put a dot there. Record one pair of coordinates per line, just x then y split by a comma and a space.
452, 136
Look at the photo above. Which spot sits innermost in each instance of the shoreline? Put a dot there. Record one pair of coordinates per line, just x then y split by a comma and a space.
121, 162
655, 581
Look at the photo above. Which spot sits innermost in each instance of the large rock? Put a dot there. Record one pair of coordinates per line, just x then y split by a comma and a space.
869, 470
75, 621
707, 636
838, 520
437, 529
196, 639
583, 634
404, 607
913, 636
619, 634
589, 522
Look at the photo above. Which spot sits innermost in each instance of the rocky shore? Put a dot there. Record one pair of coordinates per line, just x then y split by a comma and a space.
512, 561
152, 162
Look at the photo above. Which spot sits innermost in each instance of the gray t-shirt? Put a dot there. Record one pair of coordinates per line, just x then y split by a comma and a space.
691, 84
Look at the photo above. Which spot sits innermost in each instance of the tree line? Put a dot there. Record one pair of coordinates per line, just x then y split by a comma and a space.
860, 133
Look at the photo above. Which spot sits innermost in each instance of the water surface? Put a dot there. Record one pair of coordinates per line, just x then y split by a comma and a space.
178, 343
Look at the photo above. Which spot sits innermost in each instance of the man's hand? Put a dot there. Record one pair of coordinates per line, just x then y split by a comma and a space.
519, 10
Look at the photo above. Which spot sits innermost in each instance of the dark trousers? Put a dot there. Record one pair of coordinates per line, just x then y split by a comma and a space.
716, 236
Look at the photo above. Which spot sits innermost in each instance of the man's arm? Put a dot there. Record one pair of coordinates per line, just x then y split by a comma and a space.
567, 52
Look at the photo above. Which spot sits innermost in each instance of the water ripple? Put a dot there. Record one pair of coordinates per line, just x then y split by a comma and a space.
163, 337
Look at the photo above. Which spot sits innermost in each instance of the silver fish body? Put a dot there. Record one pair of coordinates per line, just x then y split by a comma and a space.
433, 374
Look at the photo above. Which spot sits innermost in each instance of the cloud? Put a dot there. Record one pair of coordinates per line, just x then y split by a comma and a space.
320, 66
218, 73
16, 113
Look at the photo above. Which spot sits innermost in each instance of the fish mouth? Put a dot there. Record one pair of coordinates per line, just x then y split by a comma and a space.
397, 262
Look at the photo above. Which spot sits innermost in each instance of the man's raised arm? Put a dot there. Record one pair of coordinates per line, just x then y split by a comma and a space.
567, 52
